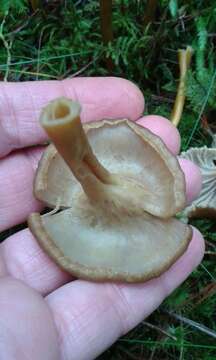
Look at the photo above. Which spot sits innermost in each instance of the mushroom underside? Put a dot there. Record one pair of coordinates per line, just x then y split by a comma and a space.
115, 189
205, 204
91, 245
140, 157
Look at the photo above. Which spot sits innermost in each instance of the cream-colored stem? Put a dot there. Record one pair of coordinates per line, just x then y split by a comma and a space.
61, 121
184, 57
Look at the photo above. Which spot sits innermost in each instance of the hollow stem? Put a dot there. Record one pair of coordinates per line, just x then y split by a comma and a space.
184, 57
61, 121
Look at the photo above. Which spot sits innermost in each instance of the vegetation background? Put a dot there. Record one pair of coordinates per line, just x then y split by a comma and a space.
137, 40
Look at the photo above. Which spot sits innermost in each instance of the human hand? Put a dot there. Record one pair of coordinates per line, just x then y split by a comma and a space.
44, 313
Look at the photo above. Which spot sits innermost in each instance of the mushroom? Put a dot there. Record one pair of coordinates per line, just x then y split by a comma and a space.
205, 204
115, 189
184, 59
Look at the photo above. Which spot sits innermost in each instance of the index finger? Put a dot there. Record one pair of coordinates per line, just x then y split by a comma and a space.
100, 97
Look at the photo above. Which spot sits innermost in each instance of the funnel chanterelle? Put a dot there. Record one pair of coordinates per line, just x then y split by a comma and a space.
118, 189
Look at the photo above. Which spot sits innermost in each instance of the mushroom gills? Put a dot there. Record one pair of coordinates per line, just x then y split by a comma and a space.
121, 187
205, 204
157, 183
100, 247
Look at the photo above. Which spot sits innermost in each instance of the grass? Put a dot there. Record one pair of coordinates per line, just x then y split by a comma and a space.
37, 44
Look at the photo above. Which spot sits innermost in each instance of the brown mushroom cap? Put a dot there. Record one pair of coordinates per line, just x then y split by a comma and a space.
119, 200
95, 247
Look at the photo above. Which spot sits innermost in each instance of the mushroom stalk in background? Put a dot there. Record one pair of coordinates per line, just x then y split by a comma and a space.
184, 57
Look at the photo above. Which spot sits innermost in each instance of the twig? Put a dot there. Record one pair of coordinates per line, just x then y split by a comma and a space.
150, 11
157, 37
210, 253
198, 297
83, 68
106, 27
208, 272
186, 18
162, 99
35, 4
194, 324
187, 344
155, 327
23, 25
78, 72
3, 66
208, 291
7, 45
39, 49
33, 73
184, 63
209, 243
128, 353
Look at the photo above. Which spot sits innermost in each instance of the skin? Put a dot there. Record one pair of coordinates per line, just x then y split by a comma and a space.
44, 313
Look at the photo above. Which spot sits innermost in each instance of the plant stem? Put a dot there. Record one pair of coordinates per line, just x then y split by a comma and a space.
8, 45
150, 11
106, 27
184, 57
35, 4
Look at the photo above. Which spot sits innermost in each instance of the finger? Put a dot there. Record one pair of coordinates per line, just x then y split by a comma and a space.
163, 128
82, 310
101, 97
193, 179
24, 259
17, 199
27, 328
3, 269
16, 187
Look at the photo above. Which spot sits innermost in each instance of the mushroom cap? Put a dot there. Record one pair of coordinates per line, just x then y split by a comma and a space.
93, 243
125, 248
205, 204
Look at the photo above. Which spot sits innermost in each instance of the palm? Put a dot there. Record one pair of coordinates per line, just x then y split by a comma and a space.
41, 318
